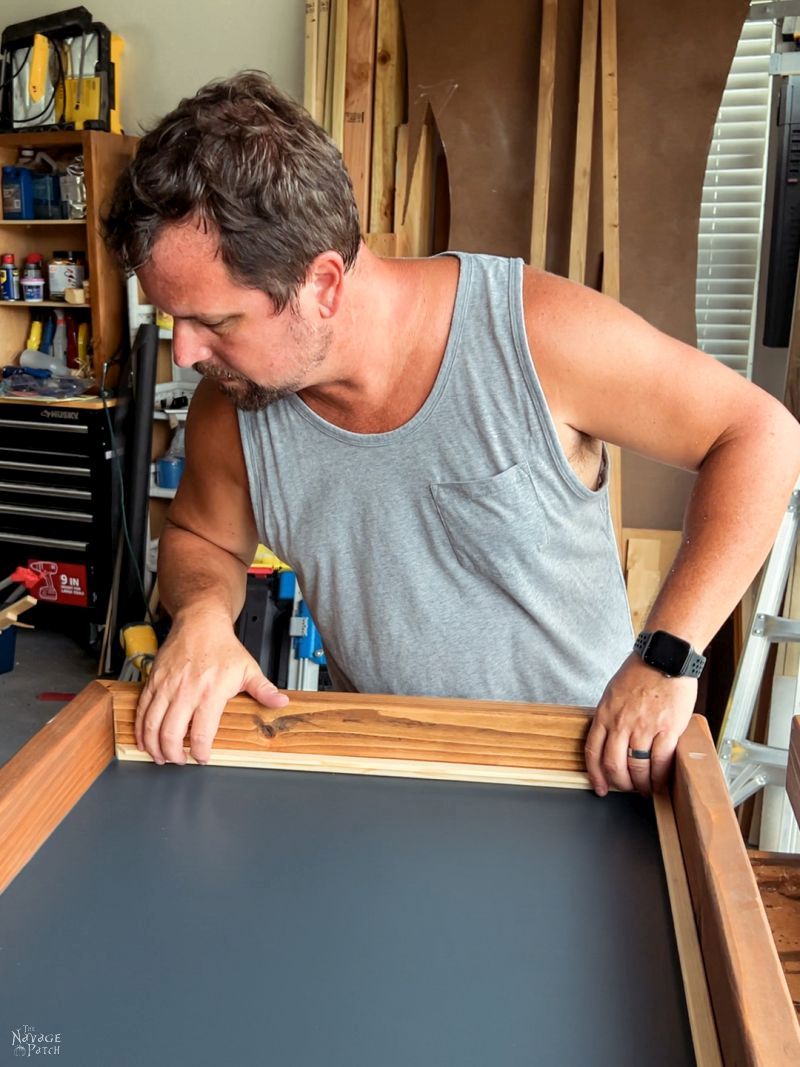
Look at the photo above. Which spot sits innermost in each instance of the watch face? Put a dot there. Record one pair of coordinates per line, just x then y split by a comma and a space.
667, 653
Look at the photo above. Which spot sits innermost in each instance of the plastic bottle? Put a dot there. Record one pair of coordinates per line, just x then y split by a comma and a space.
17, 193
60, 340
35, 334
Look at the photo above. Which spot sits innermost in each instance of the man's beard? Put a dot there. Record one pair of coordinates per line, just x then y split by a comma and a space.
248, 395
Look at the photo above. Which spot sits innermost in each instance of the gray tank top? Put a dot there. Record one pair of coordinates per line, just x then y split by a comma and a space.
458, 555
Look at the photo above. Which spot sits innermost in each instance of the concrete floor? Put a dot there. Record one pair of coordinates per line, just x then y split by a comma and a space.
48, 665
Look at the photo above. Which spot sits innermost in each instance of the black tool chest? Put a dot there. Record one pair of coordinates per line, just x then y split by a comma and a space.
59, 503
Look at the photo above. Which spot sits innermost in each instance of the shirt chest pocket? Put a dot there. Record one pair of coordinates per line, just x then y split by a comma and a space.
493, 524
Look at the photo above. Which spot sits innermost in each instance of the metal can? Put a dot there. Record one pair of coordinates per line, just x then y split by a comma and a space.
65, 270
7, 277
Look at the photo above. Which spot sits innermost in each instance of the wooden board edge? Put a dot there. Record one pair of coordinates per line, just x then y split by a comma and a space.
45, 779
544, 135
377, 727
755, 1016
695, 985
383, 768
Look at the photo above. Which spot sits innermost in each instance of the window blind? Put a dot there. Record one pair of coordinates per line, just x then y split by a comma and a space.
732, 207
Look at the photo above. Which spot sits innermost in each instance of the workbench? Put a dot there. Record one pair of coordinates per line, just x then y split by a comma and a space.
447, 891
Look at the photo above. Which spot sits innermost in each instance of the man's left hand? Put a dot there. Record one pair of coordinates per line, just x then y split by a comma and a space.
644, 711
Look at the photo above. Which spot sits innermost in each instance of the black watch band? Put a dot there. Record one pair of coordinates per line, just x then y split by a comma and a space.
671, 655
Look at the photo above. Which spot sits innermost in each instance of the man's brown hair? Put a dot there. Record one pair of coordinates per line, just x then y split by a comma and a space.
247, 162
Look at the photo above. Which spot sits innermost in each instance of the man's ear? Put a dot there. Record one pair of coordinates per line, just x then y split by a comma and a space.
325, 284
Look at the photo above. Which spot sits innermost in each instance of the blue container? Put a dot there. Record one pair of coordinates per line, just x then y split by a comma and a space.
46, 196
168, 472
8, 649
17, 193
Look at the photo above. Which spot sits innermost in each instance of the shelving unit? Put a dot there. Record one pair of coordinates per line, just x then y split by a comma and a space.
105, 155
31, 305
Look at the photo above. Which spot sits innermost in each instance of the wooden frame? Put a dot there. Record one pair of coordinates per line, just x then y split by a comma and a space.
723, 937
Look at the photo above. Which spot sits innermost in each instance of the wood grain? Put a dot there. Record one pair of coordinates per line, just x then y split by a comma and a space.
611, 239
649, 555
610, 105
339, 72
381, 244
391, 727
698, 1000
584, 129
321, 81
105, 156
359, 91
42, 782
382, 768
755, 1016
544, 134
311, 44
778, 878
414, 213
388, 114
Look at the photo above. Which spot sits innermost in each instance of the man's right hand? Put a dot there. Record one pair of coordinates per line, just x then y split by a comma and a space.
199, 668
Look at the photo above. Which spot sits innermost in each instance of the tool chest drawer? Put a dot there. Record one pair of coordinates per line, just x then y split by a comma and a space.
59, 499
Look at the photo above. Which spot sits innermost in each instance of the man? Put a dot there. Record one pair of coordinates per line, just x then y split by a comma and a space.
421, 440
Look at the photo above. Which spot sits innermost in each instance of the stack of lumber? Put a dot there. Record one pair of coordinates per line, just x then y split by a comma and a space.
355, 88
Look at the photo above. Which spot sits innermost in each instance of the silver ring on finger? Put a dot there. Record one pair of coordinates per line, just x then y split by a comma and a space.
639, 753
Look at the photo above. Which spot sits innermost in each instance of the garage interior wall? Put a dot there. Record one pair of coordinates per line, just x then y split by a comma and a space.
175, 47
172, 49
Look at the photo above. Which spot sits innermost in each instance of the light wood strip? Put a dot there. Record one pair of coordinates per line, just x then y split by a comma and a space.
42, 782
544, 134
389, 111
611, 251
330, 67
323, 33
788, 658
583, 143
386, 768
415, 218
401, 179
359, 92
755, 1017
381, 244
698, 1001
310, 76
610, 98
390, 727
642, 577
339, 72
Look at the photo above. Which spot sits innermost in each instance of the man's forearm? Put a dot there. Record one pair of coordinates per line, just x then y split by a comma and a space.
197, 576
739, 499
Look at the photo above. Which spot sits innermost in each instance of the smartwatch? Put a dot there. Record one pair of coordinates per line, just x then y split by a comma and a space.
671, 655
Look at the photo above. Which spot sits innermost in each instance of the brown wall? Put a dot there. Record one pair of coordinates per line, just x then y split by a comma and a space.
475, 65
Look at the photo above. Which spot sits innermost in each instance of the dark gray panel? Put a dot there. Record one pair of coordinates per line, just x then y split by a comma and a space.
208, 916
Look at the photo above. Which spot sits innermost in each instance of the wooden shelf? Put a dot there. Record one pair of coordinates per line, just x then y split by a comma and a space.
179, 414
42, 222
32, 304
104, 155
